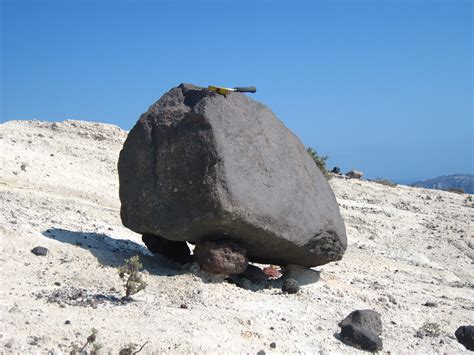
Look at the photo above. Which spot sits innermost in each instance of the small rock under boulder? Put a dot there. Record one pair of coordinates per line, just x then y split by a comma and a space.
198, 165
465, 335
290, 286
302, 274
362, 328
222, 257
255, 274
176, 251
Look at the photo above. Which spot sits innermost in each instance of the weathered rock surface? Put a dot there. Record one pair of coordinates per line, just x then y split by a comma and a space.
201, 166
362, 329
221, 257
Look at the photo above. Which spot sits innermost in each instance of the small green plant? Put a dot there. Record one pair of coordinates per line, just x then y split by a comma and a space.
385, 182
320, 161
130, 272
431, 329
92, 341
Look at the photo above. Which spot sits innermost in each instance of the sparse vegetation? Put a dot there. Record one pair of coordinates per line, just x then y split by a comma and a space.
385, 182
320, 161
430, 329
456, 190
91, 341
130, 272
130, 349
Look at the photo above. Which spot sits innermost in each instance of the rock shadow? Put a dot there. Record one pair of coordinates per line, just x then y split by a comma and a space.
112, 252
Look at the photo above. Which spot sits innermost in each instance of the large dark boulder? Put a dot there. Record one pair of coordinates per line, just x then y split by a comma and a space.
202, 166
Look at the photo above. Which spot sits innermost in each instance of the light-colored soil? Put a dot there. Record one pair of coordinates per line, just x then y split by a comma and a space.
59, 189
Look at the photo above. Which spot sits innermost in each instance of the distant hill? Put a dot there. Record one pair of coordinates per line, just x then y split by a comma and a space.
455, 181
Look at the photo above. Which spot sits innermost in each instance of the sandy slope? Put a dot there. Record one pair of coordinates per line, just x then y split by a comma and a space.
59, 189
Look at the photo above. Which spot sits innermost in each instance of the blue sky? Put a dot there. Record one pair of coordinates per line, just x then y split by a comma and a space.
380, 86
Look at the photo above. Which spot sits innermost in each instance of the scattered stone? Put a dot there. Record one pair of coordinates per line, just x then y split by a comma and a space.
254, 274
57, 284
176, 251
183, 306
10, 344
272, 272
465, 335
67, 322
355, 174
367, 318
392, 299
420, 333
273, 345
361, 337
14, 309
225, 258
290, 286
261, 352
198, 165
39, 251
362, 328
430, 304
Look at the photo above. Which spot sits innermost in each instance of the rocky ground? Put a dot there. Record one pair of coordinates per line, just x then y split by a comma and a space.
410, 258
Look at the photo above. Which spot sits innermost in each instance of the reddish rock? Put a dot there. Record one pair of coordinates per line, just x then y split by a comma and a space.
272, 272
221, 257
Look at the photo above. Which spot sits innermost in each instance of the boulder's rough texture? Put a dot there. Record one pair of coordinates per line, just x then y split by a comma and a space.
362, 329
361, 337
176, 251
367, 318
465, 335
201, 166
221, 257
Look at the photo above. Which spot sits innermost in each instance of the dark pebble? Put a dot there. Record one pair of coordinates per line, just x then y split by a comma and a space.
183, 306
57, 283
430, 304
273, 345
39, 251
261, 352
67, 322
290, 286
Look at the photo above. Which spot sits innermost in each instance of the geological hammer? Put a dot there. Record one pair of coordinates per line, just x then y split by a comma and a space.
225, 91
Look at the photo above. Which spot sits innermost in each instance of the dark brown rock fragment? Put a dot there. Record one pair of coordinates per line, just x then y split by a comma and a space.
222, 257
